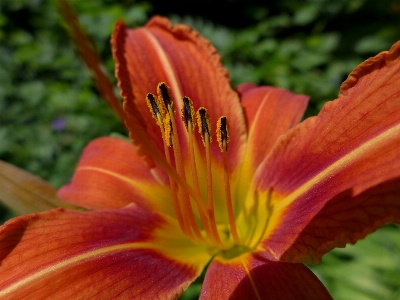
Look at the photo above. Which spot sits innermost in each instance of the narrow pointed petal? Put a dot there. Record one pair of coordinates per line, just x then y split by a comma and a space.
342, 166
189, 64
111, 175
26, 193
269, 113
251, 276
127, 253
89, 56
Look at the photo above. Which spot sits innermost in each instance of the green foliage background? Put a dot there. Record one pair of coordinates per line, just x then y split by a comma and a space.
49, 108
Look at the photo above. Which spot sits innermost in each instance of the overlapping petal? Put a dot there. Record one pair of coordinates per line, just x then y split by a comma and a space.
110, 174
342, 165
124, 253
189, 64
269, 113
252, 276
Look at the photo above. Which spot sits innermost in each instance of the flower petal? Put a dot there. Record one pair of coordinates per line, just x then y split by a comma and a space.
24, 192
269, 113
125, 253
189, 64
342, 166
251, 276
111, 175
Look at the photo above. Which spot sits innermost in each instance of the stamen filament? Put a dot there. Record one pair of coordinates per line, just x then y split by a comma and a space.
228, 198
188, 115
159, 160
172, 183
223, 140
193, 159
187, 206
210, 199
166, 104
166, 132
203, 217
204, 124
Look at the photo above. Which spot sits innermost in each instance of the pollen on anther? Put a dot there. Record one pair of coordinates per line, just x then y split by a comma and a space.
151, 101
222, 133
168, 130
204, 123
164, 97
188, 112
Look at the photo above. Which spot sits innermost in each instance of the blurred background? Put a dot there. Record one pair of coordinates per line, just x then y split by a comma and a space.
50, 109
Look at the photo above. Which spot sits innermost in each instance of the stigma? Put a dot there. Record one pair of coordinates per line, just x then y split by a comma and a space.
194, 207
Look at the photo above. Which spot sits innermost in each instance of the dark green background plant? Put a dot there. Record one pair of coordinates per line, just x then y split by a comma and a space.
49, 107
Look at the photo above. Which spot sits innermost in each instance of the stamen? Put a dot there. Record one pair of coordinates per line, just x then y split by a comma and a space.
156, 113
223, 140
203, 121
187, 118
204, 124
165, 99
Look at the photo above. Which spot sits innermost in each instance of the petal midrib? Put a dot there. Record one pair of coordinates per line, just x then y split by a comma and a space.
48, 270
354, 155
165, 65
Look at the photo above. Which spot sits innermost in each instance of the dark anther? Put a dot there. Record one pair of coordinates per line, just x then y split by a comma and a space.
153, 103
223, 129
165, 94
204, 123
187, 111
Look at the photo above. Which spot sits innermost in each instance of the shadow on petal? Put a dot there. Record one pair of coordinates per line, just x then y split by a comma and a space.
255, 276
346, 218
10, 236
277, 280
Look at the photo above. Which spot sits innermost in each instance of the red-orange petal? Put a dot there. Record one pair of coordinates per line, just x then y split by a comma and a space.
269, 113
189, 64
335, 178
251, 276
110, 174
104, 254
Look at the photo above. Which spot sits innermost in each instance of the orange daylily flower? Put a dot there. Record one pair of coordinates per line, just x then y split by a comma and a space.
254, 194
